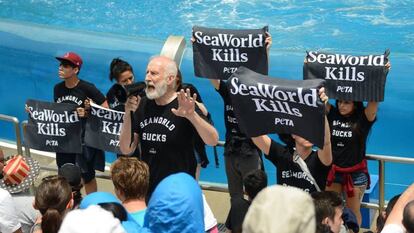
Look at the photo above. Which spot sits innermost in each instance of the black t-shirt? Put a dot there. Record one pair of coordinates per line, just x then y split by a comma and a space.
238, 211
289, 173
348, 143
166, 140
78, 94
237, 143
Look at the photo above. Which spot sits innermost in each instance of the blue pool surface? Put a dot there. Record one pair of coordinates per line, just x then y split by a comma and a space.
33, 32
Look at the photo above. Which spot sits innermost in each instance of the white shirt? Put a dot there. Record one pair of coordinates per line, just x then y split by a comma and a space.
393, 228
9, 221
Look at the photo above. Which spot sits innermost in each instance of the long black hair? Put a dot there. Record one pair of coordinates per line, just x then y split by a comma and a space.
117, 67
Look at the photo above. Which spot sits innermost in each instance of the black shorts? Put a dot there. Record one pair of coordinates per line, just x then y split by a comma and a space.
90, 160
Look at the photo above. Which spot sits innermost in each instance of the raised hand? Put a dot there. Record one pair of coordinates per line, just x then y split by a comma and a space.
186, 104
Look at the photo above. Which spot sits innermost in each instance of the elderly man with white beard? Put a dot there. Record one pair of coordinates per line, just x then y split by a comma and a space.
164, 122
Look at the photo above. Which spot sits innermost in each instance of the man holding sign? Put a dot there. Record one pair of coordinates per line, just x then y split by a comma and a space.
241, 156
165, 123
295, 108
77, 91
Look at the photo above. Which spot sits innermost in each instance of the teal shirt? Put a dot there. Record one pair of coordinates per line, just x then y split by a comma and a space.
139, 216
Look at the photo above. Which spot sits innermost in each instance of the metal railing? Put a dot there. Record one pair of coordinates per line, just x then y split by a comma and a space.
15, 122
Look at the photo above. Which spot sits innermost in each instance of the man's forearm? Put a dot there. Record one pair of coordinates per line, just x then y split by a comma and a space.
206, 131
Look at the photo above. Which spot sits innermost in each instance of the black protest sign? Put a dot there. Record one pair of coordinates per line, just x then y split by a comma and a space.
53, 127
264, 105
355, 78
103, 128
219, 52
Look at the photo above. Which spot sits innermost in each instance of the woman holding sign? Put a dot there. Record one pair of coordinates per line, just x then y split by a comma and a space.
350, 124
304, 168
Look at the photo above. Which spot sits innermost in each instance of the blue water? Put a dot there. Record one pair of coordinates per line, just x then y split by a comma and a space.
33, 32
350, 25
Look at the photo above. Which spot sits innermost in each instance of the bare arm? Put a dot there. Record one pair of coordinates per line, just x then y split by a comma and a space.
325, 155
371, 110
186, 106
215, 83
263, 142
396, 214
125, 137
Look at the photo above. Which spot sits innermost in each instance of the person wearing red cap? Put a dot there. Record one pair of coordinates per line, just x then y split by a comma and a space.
80, 92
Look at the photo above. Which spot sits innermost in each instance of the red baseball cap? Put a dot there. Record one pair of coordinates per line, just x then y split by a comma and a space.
72, 58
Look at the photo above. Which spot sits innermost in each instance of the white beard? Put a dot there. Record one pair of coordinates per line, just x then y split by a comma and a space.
159, 90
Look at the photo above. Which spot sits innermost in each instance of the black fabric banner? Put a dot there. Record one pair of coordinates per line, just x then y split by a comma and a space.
264, 105
53, 127
103, 128
356, 78
219, 52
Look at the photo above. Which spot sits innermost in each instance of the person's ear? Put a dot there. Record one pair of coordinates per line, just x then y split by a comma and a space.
70, 204
325, 221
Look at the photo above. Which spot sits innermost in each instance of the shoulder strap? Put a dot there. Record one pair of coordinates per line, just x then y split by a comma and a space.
297, 159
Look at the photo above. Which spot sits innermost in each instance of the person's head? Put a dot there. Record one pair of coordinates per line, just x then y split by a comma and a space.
130, 177
293, 140
160, 77
176, 205
179, 79
53, 198
117, 209
70, 65
72, 174
93, 219
281, 209
382, 217
347, 108
301, 141
328, 208
254, 182
121, 71
408, 217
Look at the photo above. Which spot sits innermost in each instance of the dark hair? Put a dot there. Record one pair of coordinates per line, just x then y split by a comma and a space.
325, 204
381, 219
288, 140
254, 182
51, 199
116, 209
117, 67
358, 110
408, 217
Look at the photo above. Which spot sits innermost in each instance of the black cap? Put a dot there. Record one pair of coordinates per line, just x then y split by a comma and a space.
72, 174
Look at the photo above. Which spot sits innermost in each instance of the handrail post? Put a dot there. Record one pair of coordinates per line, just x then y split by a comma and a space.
381, 172
15, 121
26, 147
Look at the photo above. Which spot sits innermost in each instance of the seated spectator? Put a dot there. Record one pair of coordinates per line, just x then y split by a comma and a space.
19, 188
408, 217
110, 203
382, 217
280, 209
53, 199
253, 183
93, 219
328, 209
131, 180
9, 221
394, 223
176, 205
72, 174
